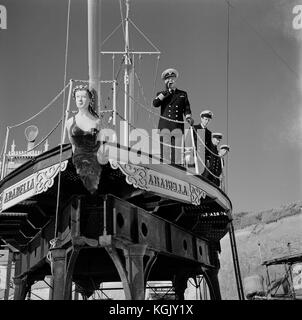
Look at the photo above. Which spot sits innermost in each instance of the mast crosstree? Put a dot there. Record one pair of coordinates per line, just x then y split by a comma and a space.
129, 57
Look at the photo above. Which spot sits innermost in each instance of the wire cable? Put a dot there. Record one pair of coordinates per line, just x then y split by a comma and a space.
147, 39
52, 130
111, 34
43, 109
264, 40
63, 122
227, 92
122, 18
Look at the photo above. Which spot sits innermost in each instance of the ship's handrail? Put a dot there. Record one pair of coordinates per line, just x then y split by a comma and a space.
196, 155
182, 147
188, 148
8, 128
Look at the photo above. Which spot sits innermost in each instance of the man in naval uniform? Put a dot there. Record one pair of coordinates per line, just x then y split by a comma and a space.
174, 106
213, 165
205, 135
223, 151
202, 129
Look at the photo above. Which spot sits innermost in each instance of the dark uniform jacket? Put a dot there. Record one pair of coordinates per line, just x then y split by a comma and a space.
214, 165
207, 142
174, 106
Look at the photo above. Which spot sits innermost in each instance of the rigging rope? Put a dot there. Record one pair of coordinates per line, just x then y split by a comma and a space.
43, 109
138, 91
2, 150
203, 164
63, 122
147, 109
200, 139
176, 147
227, 93
111, 34
131, 125
149, 41
113, 65
136, 101
122, 18
114, 77
141, 88
120, 68
264, 40
144, 96
176, 121
52, 130
154, 83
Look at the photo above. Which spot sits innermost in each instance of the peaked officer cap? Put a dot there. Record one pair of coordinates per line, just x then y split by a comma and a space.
225, 146
217, 135
207, 114
169, 73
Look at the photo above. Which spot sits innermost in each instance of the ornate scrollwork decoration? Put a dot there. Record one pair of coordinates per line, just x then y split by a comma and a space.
45, 178
196, 194
114, 164
136, 176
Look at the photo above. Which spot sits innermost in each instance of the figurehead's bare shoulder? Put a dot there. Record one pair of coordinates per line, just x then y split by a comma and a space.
69, 122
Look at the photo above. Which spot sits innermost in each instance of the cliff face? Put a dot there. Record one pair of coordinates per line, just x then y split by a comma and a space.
274, 230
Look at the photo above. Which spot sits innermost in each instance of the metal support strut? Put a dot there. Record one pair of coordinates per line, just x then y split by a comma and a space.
236, 262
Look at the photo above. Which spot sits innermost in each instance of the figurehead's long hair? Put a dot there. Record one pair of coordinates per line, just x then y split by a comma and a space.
91, 96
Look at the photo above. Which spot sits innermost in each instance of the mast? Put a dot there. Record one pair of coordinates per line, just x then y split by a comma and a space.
93, 49
126, 78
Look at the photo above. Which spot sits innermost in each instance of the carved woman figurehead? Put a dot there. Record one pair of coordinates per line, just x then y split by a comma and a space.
84, 99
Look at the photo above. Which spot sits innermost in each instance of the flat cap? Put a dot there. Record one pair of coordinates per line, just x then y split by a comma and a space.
169, 73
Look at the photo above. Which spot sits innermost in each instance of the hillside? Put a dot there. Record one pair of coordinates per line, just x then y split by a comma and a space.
272, 229
260, 236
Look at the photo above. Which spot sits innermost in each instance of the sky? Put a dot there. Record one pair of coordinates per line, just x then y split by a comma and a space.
260, 113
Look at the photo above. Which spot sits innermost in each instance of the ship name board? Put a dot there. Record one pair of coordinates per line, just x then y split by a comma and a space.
26, 186
36, 183
151, 180
167, 184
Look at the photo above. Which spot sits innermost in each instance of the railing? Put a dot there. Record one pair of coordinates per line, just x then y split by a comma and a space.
193, 156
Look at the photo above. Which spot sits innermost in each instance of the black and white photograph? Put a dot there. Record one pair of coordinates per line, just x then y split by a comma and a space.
151, 150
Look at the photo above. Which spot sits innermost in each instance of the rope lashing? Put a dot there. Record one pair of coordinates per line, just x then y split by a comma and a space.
200, 139
203, 164
42, 110
52, 130
63, 117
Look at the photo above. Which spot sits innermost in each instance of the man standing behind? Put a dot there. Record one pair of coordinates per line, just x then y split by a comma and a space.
223, 151
205, 117
174, 106
205, 135
214, 166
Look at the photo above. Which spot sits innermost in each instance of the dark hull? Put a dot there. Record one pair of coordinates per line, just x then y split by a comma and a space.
208, 219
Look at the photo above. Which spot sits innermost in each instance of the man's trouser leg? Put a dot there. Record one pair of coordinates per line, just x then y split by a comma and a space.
178, 135
165, 135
